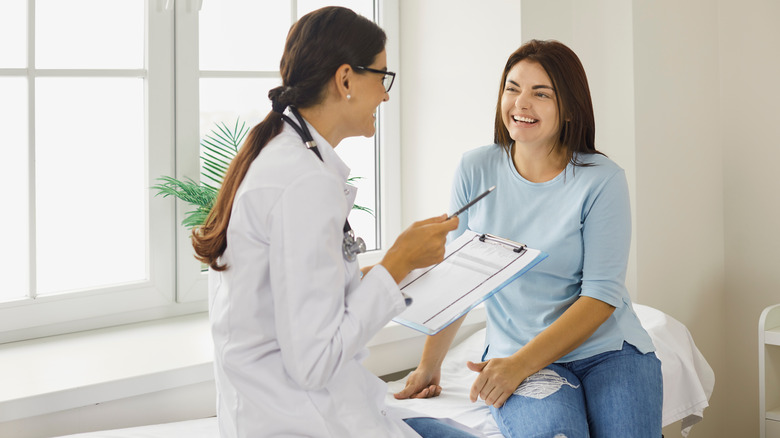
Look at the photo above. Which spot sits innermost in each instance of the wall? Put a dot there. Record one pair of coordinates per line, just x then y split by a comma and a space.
750, 139
451, 63
679, 206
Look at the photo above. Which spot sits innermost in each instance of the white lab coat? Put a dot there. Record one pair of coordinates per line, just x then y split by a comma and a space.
290, 317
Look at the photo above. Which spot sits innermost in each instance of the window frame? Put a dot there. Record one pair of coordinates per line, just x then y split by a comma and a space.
176, 285
37, 316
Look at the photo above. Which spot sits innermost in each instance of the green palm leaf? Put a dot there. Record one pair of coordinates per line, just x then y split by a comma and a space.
189, 191
219, 149
217, 152
359, 207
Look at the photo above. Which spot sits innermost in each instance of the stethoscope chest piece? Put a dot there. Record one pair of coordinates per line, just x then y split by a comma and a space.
352, 246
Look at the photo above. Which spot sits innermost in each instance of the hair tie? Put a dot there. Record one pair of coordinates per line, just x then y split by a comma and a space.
279, 98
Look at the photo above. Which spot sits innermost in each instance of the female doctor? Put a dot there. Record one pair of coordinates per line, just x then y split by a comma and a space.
290, 315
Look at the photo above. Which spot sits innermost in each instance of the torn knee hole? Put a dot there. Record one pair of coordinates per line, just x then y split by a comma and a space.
542, 384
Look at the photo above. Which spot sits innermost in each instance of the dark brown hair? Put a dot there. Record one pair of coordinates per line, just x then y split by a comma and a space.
317, 45
575, 109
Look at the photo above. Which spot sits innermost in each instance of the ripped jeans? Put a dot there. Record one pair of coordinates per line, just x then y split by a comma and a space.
616, 394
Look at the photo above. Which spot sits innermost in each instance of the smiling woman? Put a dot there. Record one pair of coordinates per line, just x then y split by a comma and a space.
536, 82
570, 319
530, 114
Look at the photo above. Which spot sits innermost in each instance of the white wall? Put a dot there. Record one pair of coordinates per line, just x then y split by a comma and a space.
452, 56
750, 127
685, 95
679, 203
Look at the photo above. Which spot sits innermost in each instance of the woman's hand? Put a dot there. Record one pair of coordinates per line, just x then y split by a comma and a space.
420, 245
424, 381
421, 384
498, 379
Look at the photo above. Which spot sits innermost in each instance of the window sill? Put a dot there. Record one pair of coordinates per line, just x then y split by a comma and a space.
52, 374
57, 373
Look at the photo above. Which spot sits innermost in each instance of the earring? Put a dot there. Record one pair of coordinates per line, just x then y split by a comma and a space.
349, 96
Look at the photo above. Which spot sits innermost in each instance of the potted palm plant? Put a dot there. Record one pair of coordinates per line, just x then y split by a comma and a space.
219, 149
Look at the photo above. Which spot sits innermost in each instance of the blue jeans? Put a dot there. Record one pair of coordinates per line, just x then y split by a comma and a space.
428, 427
614, 394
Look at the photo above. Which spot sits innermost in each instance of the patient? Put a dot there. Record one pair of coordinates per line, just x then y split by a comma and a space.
564, 354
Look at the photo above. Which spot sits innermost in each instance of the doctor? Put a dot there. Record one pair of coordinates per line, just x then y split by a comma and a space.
290, 314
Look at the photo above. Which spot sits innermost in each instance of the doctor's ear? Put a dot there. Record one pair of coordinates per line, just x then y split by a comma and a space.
343, 79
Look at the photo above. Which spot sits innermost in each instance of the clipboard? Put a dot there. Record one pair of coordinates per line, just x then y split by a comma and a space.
475, 267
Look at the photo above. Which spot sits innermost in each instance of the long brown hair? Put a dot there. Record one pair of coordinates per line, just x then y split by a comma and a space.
317, 45
575, 108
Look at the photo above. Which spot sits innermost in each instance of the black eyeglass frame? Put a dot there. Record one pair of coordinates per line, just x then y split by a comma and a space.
383, 72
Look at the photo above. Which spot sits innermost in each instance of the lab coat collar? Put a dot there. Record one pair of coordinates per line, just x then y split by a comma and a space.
331, 160
329, 155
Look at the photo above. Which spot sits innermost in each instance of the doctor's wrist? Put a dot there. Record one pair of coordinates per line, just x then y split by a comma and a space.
398, 274
396, 266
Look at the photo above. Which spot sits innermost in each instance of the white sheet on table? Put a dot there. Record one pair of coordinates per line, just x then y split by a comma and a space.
456, 383
688, 378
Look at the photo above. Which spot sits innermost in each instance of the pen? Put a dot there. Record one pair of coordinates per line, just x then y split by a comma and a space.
472, 202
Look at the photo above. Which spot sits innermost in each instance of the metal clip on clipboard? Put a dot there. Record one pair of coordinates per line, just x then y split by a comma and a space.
516, 247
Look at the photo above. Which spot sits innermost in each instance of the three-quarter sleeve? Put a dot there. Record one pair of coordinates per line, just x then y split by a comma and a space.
606, 234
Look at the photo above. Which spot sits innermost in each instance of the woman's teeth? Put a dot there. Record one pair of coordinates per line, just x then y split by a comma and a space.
524, 119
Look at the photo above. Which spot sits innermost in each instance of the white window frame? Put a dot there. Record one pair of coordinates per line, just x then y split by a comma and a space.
176, 283
50, 314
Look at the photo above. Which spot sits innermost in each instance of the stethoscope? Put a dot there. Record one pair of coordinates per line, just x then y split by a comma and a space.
351, 246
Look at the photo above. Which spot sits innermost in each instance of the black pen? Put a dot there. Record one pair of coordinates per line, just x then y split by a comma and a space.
472, 202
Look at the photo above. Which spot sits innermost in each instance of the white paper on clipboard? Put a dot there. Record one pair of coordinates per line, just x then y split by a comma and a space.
475, 267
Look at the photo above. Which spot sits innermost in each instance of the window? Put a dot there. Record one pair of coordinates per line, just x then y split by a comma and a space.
93, 111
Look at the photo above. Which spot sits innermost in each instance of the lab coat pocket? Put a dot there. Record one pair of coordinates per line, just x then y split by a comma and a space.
359, 401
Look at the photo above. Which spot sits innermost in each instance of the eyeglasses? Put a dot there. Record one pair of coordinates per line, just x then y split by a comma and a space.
387, 80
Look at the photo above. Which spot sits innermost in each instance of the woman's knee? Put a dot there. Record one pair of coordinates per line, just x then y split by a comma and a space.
547, 404
625, 395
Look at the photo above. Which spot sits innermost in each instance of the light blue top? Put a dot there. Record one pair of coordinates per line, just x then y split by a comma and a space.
582, 219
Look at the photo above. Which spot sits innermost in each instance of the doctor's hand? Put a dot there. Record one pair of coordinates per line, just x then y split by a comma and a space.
498, 379
421, 384
420, 245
